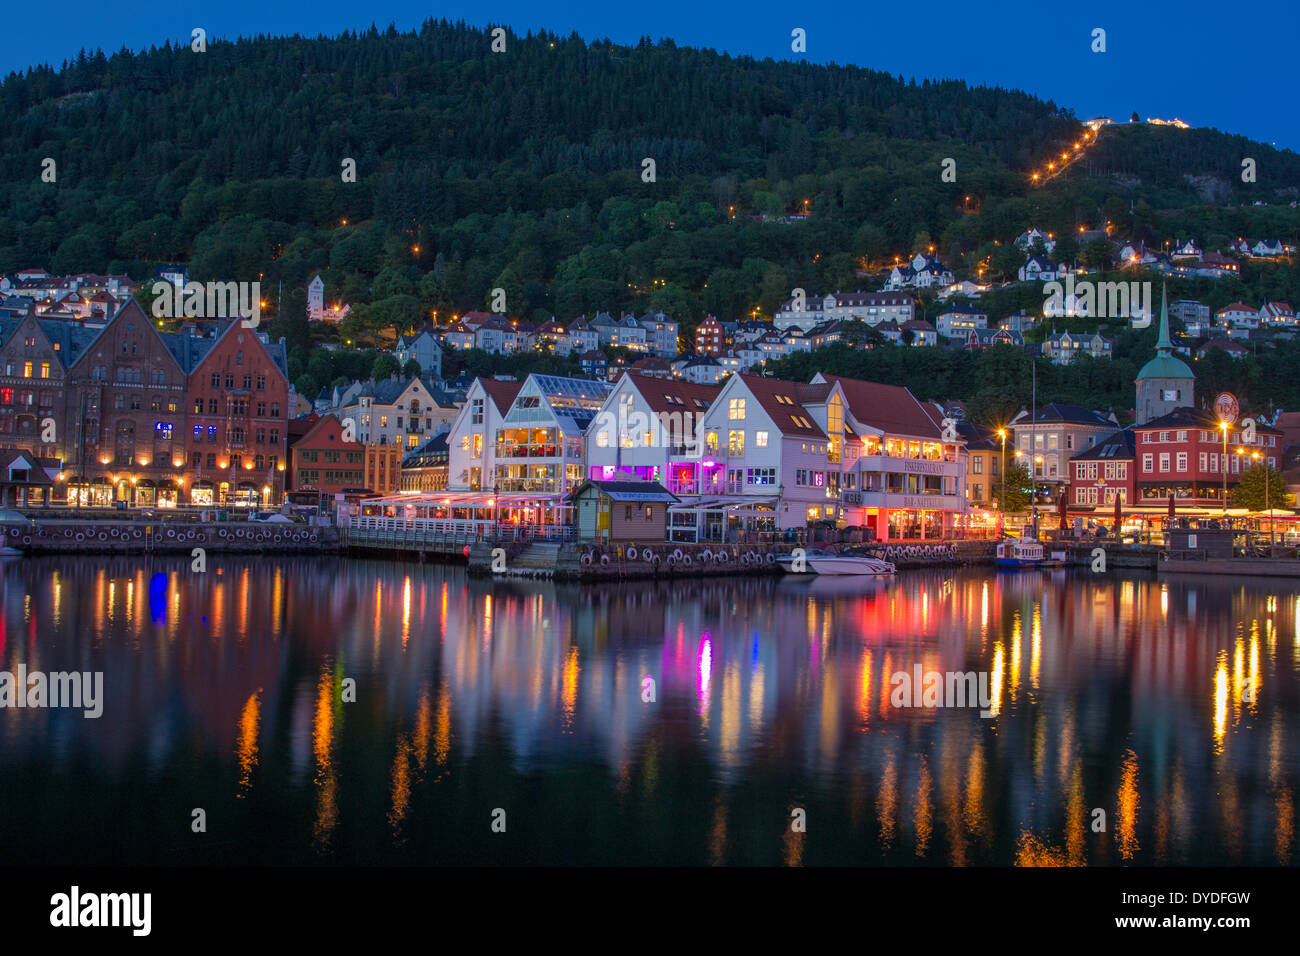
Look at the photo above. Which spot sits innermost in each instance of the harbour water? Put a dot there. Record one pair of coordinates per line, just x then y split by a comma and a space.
319, 710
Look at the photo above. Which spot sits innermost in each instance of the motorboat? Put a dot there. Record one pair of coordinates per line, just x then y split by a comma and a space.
817, 561
1026, 553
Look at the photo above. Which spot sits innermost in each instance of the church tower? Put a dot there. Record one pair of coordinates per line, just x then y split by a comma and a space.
1165, 382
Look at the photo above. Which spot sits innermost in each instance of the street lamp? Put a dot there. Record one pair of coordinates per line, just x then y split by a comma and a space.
1267, 507
1223, 427
1002, 499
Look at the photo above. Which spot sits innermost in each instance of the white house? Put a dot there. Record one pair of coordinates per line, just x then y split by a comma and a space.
1039, 269
956, 322
398, 412
424, 348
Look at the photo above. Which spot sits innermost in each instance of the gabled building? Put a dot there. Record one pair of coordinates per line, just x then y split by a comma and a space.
424, 348
1182, 454
397, 411
1062, 348
326, 461
648, 428
125, 413
1105, 471
236, 433
1057, 433
472, 439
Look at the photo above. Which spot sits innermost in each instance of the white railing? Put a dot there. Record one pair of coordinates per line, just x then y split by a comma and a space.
476, 528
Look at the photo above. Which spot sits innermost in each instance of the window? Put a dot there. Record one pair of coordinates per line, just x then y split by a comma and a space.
1069, 441
198, 407
736, 442
1181, 461
977, 465
1148, 463
1164, 462
45, 370
760, 476
760, 439
736, 409
212, 406
212, 460
198, 432
27, 370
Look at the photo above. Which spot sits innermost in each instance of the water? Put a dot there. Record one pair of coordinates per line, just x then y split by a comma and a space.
1171, 706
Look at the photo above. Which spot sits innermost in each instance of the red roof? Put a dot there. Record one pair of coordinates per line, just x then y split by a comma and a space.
783, 402
502, 393
891, 408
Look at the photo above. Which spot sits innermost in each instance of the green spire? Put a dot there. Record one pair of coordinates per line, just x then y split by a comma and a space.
1163, 345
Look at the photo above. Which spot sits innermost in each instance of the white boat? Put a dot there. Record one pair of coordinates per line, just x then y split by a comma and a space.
815, 561
1026, 553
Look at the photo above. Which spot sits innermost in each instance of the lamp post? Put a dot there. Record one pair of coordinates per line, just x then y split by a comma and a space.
1267, 507
1223, 427
1002, 499
496, 510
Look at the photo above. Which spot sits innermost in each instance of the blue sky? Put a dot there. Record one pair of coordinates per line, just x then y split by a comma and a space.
1230, 67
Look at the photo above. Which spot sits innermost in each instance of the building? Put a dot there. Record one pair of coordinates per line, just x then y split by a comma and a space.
985, 450
954, 323
397, 411
236, 434
870, 307
1165, 382
1062, 348
326, 461
424, 348
26, 480
1238, 315
124, 413
902, 478
472, 439
648, 428
710, 338
425, 468
1105, 471
1052, 437
382, 468
1189, 455
618, 512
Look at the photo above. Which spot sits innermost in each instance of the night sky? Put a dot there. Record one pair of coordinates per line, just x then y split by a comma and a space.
1211, 64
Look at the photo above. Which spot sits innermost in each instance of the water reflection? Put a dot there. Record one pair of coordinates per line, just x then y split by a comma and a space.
1133, 721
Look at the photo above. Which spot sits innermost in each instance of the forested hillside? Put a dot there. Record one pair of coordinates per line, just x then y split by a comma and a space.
523, 170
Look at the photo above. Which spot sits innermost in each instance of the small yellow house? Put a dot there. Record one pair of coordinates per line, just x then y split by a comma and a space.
621, 511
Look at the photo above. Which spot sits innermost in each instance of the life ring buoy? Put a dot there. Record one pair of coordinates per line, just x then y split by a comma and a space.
654, 560
137, 533
771, 558
687, 561
103, 535
632, 554
586, 558
313, 538
80, 536
171, 532
27, 540
604, 560
677, 553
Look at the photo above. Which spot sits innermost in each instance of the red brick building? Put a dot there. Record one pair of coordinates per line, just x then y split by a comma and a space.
1106, 470
124, 414
324, 462
237, 428
1182, 453
709, 337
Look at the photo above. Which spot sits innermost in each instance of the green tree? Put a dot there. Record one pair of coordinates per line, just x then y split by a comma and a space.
411, 369
386, 366
1018, 484
1260, 487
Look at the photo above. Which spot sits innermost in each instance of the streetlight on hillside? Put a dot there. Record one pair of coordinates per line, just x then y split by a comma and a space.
1223, 427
